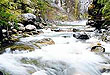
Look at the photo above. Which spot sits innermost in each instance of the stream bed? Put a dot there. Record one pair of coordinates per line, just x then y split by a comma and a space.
68, 56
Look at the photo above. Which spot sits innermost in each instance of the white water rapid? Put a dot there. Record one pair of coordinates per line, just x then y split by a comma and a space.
68, 56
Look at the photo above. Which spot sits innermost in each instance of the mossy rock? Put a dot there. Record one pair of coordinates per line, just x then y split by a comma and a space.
38, 46
97, 49
29, 10
14, 39
26, 35
26, 2
21, 47
29, 61
3, 72
46, 41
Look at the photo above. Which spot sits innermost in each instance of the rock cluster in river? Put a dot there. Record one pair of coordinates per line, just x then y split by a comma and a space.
31, 45
28, 25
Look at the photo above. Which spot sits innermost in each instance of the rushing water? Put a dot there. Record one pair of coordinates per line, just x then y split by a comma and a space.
69, 56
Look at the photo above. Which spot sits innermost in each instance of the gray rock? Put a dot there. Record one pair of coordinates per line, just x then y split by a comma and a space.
20, 24
21, 27
82, 36
30, 27
28, 16
39, 31
34, 32
4, 31
14, 30
98, 49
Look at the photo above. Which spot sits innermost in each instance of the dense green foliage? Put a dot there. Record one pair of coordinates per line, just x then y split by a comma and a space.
99, 12
5, 15
102, 1
105, 9
11, 9
42, 6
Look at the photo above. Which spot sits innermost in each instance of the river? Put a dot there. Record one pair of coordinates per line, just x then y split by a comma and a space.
68, 56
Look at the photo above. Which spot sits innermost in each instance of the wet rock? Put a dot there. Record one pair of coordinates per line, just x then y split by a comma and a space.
25, 35
20, 24
91, 23
41, 25
21, 47
45, 24
30, 33
14, 31
21, 27
82, 36
4, 31
14, 39
97, 49
46, 41
34, 32
37, 25
75, 30
56, 29
40, 31
1, 73
30, 69
30, 28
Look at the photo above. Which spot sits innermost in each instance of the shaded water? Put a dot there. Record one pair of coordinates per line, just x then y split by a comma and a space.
69, 56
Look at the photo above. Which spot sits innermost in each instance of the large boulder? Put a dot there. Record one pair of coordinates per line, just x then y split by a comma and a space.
82, 36
30, 27
28, 18
97, 48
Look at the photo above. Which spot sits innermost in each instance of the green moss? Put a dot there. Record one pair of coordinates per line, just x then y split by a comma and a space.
106, 11
25, 35
37, 45
14, 39
21, 47
29, 61
102, 1
29, 10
